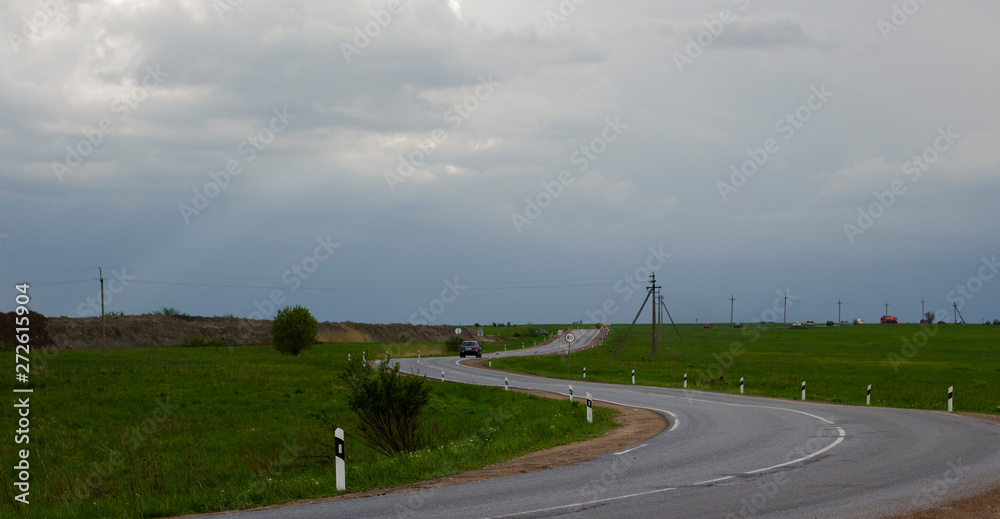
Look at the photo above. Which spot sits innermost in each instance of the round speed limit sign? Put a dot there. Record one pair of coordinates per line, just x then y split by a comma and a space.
570, 337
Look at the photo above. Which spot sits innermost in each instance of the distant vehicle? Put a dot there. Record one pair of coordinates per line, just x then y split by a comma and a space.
738, 325
829, 323
707, 326
843, 323
470, 348
796, 324
924, 321
859, 321
889, 319
810, 323
542, 331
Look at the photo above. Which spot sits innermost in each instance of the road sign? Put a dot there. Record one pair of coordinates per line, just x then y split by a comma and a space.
560, 332
570, 337
458, 331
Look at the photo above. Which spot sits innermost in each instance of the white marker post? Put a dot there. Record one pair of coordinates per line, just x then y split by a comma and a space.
803, 390
442, 375
491, 362
633, 377
951, 392
685, 380
418, 354
348, 357
571, 392
584, 372
741, 385
590, 409
341, 472
506, 384
868, 399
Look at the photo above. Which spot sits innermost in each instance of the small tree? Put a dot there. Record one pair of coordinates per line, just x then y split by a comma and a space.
293, 329
453, 344
930, 317
389, 405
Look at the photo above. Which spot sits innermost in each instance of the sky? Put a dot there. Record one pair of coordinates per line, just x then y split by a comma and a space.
463, 161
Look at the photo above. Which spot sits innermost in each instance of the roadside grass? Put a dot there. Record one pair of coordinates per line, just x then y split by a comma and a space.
908, 365
158, 432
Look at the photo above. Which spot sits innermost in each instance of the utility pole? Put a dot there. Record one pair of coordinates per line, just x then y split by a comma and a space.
104, 329
784, 318
838, 315
732, 301
923, 314
885, 320
652, 289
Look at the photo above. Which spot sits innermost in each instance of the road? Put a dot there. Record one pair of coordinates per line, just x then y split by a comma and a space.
725, 456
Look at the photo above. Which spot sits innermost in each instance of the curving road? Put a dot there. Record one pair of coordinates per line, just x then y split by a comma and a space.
723, 456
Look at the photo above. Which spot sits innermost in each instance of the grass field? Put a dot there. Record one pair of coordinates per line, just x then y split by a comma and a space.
164, 431
908, 365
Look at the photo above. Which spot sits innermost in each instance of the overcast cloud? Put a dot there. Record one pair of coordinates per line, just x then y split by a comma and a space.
494, 161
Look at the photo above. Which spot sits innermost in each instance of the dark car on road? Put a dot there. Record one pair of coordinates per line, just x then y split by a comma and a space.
470, 348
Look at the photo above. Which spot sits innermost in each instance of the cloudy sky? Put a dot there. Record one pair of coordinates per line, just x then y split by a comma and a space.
454, 161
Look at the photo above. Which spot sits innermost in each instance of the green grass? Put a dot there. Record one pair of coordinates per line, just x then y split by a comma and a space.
164, 431
836, 363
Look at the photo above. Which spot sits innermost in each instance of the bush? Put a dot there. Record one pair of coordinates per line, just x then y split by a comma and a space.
196, 341
453, 344
293, 329
389, 405
402, 337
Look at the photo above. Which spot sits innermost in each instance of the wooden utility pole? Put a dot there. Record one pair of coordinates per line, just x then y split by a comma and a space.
104, 329
784, 318
838, 315
732, 301
923, 314
885, 320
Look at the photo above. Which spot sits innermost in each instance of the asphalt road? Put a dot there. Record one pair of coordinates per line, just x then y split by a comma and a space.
723, 456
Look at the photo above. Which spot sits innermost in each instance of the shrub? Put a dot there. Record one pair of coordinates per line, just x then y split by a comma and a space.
402, 337
166, 311
196, 341
293, 329
389, 405
453, 344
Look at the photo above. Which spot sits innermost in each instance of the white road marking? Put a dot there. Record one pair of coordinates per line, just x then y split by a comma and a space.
716, 480
629, 450
594, 502
817, 453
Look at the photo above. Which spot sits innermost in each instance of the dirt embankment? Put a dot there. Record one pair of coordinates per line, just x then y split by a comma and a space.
143, 331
